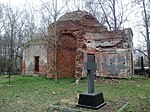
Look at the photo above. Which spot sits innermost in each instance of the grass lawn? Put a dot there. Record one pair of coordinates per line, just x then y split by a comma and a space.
34, 94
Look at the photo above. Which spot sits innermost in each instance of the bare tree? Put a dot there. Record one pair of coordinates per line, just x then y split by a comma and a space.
16, 30
9, 21
50, 13
1, 53
143, 27
113, 13
147, 32
1, 47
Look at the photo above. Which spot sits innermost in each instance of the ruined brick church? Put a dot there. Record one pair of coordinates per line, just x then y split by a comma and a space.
79, 33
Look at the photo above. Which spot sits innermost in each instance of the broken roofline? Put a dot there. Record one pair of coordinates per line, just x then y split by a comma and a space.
38, 40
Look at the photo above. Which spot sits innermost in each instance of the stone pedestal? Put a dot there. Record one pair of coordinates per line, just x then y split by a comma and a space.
91, 101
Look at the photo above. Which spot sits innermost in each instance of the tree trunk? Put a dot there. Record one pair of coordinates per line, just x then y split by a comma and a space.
148, 50
114, 14
55, 45
147, 34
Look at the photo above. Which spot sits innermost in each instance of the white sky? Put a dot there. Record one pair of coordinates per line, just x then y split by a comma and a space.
13, 2
20, 3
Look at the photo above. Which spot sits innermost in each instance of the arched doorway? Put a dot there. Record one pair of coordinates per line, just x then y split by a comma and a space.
66, 53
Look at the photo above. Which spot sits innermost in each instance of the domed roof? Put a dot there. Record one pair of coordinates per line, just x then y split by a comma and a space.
75, 15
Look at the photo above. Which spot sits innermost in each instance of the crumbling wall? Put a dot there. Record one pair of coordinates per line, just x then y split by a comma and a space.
112, 49
113, 52
29, 54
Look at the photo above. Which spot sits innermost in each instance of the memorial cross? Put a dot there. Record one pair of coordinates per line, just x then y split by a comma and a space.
90, 66
92, 99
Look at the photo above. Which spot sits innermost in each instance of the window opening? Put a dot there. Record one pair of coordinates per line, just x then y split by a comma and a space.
36, 59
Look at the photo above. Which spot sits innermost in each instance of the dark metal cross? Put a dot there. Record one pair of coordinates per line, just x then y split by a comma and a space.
90, 66
92, 99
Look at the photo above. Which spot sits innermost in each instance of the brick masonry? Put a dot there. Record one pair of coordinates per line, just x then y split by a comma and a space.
79, 33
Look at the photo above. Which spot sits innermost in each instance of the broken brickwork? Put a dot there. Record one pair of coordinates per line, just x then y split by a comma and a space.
80, 33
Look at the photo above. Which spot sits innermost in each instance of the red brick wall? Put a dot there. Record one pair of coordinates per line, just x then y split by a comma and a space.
87, 31
78, 28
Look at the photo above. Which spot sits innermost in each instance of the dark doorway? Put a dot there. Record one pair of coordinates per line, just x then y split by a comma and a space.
66, 54
36, 59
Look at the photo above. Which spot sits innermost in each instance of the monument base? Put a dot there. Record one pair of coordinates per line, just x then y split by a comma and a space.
91, 101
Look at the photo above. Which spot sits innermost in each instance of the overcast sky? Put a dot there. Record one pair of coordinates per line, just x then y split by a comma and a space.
18, 2
131, 23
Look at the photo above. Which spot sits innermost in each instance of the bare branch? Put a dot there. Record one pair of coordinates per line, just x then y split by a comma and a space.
142, 53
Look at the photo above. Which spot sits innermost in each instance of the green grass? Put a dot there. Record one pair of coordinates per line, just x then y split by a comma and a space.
34, 94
